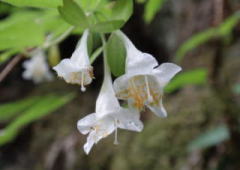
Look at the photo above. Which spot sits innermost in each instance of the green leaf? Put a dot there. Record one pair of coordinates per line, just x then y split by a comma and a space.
193, 77
194, 41
91, 5
227, 26
198, 39
73, 14
35, 3
116, 55
108, 26
52, 23
94, 41
210, 138
122, 10
151, 9
44, 106
20, 30
9, 110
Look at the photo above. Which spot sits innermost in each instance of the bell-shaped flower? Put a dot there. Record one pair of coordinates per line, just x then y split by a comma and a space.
143, 82
109, 116
77, 69
36, 68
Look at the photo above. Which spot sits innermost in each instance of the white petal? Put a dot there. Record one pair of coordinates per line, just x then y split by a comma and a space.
120, 86
65, 67
89, 144
129, 120
106, 127
158, 110
80, 55
137, 62
165, 72
84, 125
106, 101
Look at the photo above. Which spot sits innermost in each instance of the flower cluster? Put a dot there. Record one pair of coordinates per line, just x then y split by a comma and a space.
141, 86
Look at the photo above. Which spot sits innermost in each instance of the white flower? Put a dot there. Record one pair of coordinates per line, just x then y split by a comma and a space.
37, 68
77, 69
143, 82
108, 117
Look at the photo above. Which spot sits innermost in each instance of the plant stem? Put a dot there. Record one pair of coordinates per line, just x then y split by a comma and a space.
10, 66
59, 39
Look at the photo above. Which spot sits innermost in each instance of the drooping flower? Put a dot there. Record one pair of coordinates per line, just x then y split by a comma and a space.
143, 82
109, 116
36, 68
77, 69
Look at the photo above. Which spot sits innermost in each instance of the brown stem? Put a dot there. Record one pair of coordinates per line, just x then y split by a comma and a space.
10, 66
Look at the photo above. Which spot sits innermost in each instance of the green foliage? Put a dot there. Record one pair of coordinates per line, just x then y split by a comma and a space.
116, 55
73, 14
122, 10
198, 39
112, 16
105, 17
194, 41
108, 26
27, 28
34, 110
35, 3
193, 77
91, 5
151, 9
14, 29
210, 138
9, 110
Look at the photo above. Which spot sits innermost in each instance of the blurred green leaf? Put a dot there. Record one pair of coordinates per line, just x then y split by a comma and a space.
44, 106
198, 39
15, 34
108, 26
210, 138
151, 9
227, 26
194, 41
116, 55
52, 24
9, 110
112, 15
35, 3
193, 77
91, 5
73, 14
122, 10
